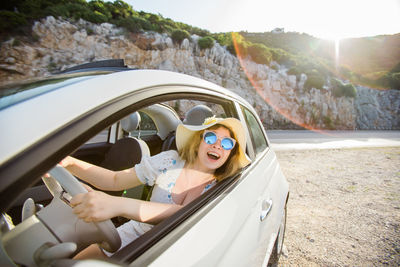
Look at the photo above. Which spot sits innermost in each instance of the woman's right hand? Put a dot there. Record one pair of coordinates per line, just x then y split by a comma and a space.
95, 206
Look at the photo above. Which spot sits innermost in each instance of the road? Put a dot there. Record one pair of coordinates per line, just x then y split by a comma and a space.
304, 139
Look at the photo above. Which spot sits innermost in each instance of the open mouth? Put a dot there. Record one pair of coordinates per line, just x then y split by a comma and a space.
213, 156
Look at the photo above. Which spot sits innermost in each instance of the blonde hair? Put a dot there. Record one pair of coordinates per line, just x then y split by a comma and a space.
190, 152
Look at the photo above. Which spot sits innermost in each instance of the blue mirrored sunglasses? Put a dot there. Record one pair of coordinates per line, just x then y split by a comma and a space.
211, 138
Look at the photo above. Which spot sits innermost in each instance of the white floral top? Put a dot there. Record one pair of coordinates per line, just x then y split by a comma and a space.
162, 171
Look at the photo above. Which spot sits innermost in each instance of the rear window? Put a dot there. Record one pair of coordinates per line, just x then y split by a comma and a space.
256, 132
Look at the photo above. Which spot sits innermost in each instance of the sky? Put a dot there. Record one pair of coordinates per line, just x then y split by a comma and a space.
328, 19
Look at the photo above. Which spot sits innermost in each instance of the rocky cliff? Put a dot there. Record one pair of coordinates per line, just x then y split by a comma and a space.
279, 98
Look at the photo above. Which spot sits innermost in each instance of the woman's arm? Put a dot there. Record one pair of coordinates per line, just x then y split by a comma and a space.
98, 206
99, 177
148, 212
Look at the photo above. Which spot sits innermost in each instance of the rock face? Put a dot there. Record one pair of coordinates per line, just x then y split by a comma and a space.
377, 109
279, 98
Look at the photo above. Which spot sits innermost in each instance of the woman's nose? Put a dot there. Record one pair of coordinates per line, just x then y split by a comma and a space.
217, 144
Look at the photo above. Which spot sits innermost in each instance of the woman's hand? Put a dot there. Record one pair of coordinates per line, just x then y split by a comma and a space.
67, 161
95, 206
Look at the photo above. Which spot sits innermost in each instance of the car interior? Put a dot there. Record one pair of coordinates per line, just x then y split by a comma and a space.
145, 132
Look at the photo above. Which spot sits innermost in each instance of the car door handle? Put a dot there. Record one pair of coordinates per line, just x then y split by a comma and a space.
266, 206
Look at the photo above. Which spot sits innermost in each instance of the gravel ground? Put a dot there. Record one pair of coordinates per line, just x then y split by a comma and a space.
344, 207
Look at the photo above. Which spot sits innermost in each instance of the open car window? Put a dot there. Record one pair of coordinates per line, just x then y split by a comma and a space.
102, 137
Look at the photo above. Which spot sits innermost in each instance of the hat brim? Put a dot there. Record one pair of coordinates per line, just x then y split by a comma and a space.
185, 133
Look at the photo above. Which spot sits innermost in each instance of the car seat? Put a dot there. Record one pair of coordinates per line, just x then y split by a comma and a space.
195, 116
127, 152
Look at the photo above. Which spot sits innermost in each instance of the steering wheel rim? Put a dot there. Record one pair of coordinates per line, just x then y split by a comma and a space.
72, 186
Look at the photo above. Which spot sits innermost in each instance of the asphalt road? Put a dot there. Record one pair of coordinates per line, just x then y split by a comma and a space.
304, 139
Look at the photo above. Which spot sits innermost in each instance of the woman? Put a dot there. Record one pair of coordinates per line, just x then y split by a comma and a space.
206, 154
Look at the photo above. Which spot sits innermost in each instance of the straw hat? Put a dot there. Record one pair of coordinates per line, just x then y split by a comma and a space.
184, 134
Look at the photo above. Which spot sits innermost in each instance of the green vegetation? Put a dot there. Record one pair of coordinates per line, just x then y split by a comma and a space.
259, 53
314, 81
373, 62
97, 11
391, 79
179, 35
340, 89
10, 20
328, 123
225, 39
206, 42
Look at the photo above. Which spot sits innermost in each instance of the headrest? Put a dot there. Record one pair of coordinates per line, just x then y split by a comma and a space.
130, 123
197, 114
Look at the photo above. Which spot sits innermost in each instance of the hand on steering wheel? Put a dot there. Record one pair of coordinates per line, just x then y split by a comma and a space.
60, 178
94, 206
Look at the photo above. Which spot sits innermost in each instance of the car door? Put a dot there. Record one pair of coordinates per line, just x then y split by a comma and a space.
228, 231
272, 195
259, 190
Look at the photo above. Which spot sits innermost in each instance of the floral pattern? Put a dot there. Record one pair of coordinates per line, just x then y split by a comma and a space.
162, 171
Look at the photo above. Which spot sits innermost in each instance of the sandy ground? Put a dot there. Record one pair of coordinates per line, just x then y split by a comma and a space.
344, 207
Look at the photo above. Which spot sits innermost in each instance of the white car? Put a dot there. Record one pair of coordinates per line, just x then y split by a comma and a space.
111, 118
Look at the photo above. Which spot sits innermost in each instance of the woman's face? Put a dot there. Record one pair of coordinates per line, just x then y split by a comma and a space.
213, 156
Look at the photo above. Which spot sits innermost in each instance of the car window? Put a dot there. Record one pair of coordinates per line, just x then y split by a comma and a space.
146, 127
17, 93
256, 132
182, 106
100, 138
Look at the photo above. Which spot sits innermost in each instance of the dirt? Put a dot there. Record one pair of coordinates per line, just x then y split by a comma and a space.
344, 207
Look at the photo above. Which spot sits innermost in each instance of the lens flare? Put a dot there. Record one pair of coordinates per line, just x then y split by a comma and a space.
275, 100
337, 55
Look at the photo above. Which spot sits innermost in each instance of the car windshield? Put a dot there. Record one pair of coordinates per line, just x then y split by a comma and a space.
17, 93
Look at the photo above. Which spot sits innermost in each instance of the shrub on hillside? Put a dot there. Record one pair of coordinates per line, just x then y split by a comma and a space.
100, 7
179, 35
395, 81
282, 57
294, 71
390, 80
349, 90
314, 81
11, 20
133, 24
191, 29
74, 11
96, 17
206, 42
340, 89
259, 53
198, 31
119, 9
169, 25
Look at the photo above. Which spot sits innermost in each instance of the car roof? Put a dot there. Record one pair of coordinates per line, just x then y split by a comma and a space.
26, 122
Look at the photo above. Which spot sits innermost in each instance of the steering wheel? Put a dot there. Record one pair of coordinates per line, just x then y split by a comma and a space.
60, 178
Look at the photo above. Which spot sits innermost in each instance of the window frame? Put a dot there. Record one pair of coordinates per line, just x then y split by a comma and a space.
251, 137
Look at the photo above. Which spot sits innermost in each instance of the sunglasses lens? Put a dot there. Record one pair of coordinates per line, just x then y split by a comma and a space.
227, 143
210, 138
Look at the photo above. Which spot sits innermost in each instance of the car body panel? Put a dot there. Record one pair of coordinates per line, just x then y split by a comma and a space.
231, 229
